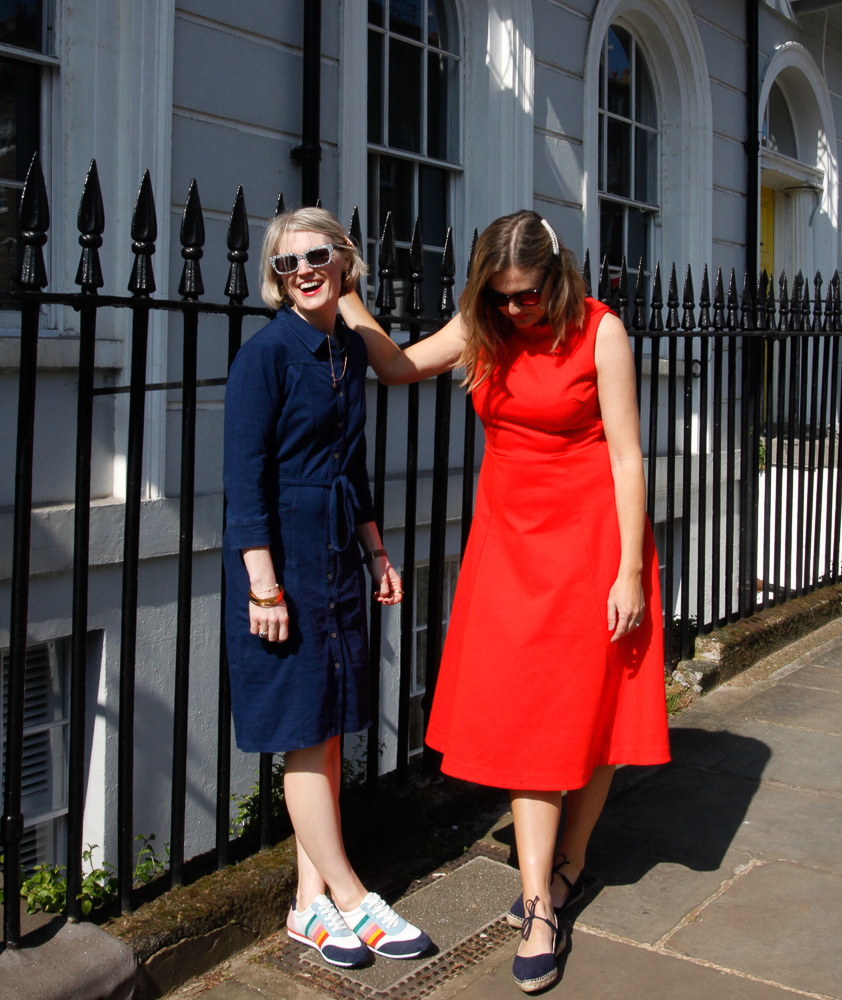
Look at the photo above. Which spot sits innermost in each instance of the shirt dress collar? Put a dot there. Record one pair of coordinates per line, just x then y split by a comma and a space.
309, 336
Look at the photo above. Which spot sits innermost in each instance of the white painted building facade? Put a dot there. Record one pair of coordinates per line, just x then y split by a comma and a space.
622, 121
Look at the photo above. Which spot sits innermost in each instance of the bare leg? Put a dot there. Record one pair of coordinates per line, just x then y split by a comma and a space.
311, 790
584, 806
536, 816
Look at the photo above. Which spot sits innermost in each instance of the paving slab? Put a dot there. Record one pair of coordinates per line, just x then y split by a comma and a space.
649, 908
816, 675
791, 705
596, 968
70, 962
775, 752
451, 910
693, 817
780, 921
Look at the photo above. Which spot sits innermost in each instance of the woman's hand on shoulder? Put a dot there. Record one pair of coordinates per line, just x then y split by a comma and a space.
626, 605
389, 589
435, 354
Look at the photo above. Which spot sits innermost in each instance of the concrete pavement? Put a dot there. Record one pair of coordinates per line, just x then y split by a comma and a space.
718, 875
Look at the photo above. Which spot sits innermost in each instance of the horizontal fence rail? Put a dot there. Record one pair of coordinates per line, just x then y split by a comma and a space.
740, 412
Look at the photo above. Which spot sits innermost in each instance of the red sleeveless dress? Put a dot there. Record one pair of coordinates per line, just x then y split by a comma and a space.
531, 693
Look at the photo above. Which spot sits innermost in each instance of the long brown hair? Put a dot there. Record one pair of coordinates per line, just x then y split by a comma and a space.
526, 241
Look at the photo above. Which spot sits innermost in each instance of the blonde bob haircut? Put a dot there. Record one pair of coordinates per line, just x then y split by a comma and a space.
306, 220
522, 240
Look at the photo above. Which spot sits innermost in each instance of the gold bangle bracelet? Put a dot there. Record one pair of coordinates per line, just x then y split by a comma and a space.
267, 602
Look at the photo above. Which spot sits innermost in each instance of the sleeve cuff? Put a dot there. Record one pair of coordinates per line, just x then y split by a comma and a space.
249, 535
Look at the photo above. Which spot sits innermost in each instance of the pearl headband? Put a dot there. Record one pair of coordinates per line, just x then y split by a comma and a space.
553, 236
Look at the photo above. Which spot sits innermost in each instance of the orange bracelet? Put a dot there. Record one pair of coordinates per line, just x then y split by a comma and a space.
267, 602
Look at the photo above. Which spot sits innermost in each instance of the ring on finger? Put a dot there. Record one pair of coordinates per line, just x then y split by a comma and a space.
263, 634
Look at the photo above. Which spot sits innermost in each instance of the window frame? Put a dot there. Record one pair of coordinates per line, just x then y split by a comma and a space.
652, 210
49, 62
375, 151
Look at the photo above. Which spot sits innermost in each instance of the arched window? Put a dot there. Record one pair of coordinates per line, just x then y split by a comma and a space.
629, 149
778, 132
414, 62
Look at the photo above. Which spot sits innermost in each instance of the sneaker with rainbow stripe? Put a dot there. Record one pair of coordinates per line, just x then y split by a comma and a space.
383, 931
320, 926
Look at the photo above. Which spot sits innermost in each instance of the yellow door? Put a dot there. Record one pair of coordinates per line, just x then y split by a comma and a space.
767, 230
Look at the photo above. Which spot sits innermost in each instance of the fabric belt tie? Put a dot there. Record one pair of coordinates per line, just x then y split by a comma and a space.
343, 507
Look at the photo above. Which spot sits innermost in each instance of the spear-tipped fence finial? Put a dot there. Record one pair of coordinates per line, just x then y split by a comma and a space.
144, 233
448, 276
836, 320
415, 299
279, 205
672, 301
771, 305
586, 273
656, 319
762, 288
704, 302
688, 317
783, 300
34, 219
623, 296
385, 302
818, 321
91, 225
748, 321
804, 322
719, 302
192, 241
604, 291
733, 303
237, 286
639, 317
474, 239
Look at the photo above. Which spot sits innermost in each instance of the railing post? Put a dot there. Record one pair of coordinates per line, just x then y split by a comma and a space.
91, 225
34, 223
469, 448
237, 289
414, 308
144, 232
438, 519
190, 288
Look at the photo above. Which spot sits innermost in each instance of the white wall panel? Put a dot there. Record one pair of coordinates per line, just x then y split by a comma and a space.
558, 102
560, 36
729, 217
558, 169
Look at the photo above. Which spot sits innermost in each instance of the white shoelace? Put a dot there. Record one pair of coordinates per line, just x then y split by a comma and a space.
384, 913
330, 917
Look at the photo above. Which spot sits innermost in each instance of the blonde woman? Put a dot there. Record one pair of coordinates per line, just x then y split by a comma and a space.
299, 531
552, 671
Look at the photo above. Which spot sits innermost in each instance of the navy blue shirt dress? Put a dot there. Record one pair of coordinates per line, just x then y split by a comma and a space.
295, 479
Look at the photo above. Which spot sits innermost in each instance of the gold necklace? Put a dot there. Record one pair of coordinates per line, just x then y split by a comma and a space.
336, 380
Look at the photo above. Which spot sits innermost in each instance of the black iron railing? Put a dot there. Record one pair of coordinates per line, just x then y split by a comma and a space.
740, 400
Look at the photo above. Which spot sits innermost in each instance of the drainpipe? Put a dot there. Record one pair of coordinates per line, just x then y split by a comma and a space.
309, 153
752, 145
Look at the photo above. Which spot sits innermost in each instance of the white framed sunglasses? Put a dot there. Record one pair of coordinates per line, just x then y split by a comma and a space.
287, 263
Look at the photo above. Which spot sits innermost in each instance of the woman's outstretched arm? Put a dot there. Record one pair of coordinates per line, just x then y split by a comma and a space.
393, 366
618, 404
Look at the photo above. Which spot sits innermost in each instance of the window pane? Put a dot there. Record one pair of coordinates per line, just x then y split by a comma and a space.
601, 147
20, 114
619, 72
611, 232
645, 110
421, 658
405, 17
618, 162
432, 280
20, 23
781, 131
375, 87
602, 77
638, 238
9, 263
404, 96
416, 724
396, 190
432, 198
439, 18
422, 583
375, 12
441, 107
645, 166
